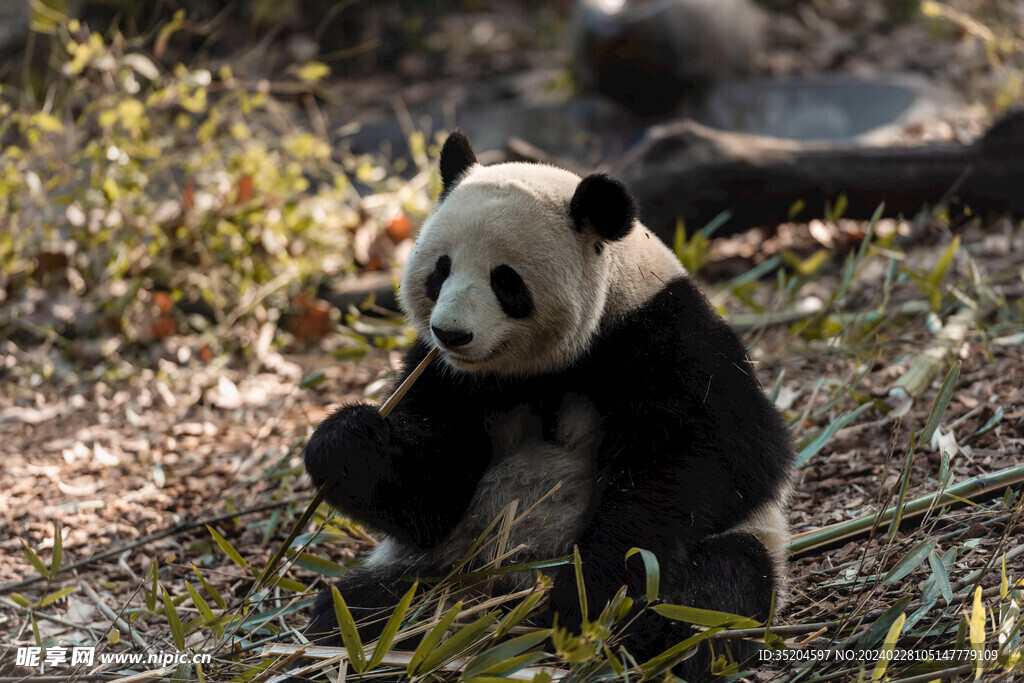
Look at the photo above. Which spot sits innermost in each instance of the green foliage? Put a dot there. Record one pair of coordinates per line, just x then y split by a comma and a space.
133, 179
695, 252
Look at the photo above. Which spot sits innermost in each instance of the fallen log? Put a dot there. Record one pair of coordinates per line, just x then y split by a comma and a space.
684, 170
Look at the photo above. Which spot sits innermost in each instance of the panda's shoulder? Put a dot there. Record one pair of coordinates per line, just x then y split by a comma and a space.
679, 309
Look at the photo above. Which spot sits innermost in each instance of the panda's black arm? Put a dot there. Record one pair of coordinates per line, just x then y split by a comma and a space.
411, 475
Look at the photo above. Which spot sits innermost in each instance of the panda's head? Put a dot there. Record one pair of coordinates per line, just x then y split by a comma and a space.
511, 273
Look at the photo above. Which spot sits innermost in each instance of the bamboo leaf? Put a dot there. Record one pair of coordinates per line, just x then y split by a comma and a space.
909, 562
20, 599
58, 550
313, 380
840, 207
320, 565
459, 642
774, 395
228, 549
518, 613
715, 223
941, 577
942, 265
432, 638
661, 663
885, 622
705, 617
210, 590
387, 635
795, 208
279, 581
887, 647
940, 404
652, 572
57, 595
173, 621
34, 560
200, 604
349, 632
977, 633
498, 659
908, 465
581, 588
809, 450
151, 594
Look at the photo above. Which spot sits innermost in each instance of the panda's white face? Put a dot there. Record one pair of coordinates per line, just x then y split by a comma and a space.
521, 263
500, 280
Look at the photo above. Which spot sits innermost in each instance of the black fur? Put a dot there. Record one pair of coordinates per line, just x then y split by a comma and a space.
456, 158
604, 205
511, 292
689, 446
437, 278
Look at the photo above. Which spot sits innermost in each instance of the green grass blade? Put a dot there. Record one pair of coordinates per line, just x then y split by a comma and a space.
228, 549
58, 550
498, 659
894, 525
204, 609
705, 617
57, 595
464, 638
387, 635
151, 594
652, 570
890, 643
349, 632
518, 613
173, 621
34, 560
210, 590
941, 577
909, 562
320, 565
810, 449
940, 404
885, 622
581, 588
432, 638
661, 663
976, 626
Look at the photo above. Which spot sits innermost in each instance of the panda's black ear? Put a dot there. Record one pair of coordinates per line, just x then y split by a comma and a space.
456, 157
604, 205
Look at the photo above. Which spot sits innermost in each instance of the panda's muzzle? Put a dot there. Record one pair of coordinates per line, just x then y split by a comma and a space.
451, 338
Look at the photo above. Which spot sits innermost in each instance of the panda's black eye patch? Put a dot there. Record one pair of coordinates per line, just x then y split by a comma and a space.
514, 297
441, 270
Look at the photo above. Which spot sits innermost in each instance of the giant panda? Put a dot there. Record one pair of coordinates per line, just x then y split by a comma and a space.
574, 350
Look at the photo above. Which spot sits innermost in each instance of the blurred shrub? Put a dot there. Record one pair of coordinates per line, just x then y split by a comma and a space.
130, 178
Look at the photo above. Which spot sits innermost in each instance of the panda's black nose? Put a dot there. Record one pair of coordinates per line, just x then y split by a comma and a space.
452, 338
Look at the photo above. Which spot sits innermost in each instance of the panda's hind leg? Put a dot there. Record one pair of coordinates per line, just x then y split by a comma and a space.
733, 573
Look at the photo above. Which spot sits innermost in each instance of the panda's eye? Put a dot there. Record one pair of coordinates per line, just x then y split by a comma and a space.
514, 297
441, 270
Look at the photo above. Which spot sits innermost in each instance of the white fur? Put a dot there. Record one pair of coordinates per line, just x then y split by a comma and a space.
770, 525
526, 469
518, 214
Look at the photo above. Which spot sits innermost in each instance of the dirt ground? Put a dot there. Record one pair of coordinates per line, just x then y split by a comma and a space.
132, 458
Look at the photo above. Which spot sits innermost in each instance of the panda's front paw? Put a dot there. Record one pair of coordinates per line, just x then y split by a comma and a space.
348, 447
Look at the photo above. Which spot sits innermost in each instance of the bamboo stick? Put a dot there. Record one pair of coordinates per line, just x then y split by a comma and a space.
399, 658
844, 531
385, 410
